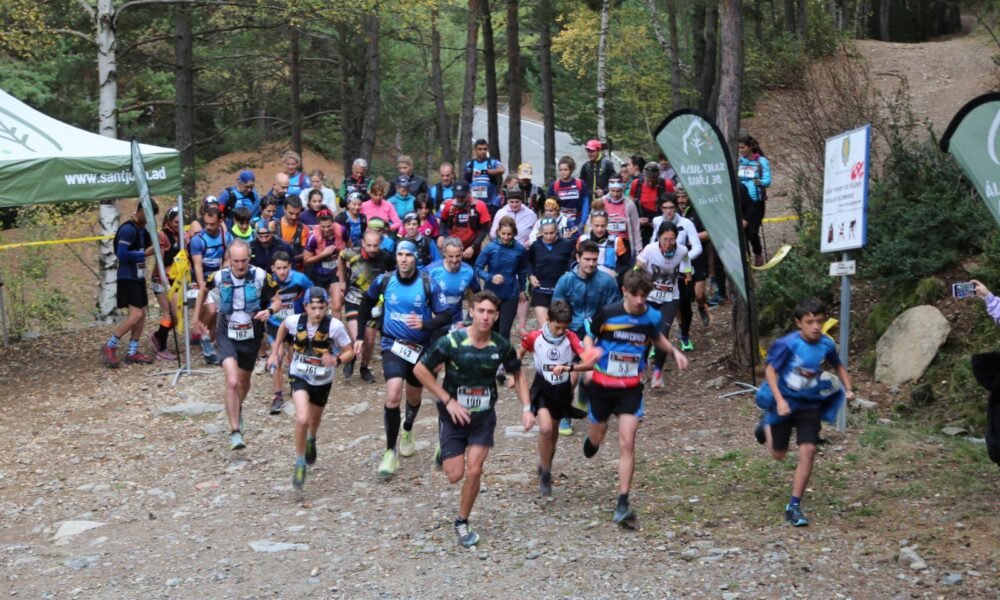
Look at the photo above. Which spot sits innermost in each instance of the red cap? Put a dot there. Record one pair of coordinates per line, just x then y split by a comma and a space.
593, 145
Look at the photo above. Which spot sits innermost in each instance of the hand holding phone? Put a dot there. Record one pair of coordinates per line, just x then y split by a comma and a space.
962, 290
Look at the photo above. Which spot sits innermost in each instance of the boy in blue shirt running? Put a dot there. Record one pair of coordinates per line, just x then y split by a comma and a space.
800, 394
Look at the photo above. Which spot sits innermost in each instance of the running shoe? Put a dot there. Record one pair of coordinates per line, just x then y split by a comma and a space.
686, 344
260, 366
544, 481
310, 451
623, 514
155, 343
407, 447
717, 299
794, 515
389, 464
466, 536
589, 449
706, 317
758, 433
208, 351
138, 359
501, 375
109, 358
657, 379
348, 370
758, 260
565, 426
366, 374
277, 404
236, 441
166, 355
438, 459
299, 478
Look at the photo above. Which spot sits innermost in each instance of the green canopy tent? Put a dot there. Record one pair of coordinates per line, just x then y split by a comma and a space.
44, 160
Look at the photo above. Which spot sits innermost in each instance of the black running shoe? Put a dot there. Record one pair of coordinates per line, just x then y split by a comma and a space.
277, 404
544, 482
758, 433
348, 370
310, 451
589, 450
366, 374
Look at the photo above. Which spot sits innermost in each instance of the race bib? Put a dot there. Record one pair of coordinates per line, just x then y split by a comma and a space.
617, 226
140, 270
329, 265
284, 312
552, 378
621, 364
474, 398
376, 311
353, 296
662, 292
408, 351
310, 368
240, 332
747, 172
480, 193
569, 213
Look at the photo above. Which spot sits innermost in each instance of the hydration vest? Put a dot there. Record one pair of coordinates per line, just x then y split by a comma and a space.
320, 342
251, 292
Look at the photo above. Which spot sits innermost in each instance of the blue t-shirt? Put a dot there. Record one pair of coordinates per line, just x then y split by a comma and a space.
402, 205
801, 379
212, 250
402, 300
232, 198
453, 286
291, 292
481, 186
132, 242
625, 340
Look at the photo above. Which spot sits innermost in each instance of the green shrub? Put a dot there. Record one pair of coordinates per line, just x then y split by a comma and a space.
803, 273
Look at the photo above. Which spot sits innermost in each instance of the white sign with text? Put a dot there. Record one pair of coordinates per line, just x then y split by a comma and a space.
845, 191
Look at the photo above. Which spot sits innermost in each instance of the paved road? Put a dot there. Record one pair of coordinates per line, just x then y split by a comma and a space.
532, 143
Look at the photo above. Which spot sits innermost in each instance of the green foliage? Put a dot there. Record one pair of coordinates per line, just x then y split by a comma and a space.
803, 273
923, 215
929, 290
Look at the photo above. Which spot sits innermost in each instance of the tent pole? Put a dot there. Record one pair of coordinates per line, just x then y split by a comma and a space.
3, 315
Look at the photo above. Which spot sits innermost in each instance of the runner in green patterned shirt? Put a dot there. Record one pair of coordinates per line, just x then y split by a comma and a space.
466, 400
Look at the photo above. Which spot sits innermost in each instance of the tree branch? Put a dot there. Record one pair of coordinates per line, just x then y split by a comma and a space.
88, 8
225, 129
79, 34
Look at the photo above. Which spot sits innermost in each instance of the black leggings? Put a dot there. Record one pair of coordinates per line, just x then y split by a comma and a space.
508, 312
687, 295
668, 310
754, 216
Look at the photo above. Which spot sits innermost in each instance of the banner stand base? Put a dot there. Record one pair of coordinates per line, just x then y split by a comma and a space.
747, 389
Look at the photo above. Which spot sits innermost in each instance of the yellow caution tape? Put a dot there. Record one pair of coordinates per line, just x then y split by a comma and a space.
780, 219
830, 324
777, 258
179, 274
93, 238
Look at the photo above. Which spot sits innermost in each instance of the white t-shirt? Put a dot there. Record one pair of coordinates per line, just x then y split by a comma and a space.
687, 234
664, 271
240, 316
338, 333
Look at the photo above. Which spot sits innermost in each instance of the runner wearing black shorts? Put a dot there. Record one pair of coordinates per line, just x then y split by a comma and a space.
467, 398
360, 267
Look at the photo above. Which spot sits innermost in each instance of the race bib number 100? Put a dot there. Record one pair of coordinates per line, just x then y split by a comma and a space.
474, 398
408, 352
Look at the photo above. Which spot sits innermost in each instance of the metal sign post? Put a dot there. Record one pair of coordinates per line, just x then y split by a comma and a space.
845, 333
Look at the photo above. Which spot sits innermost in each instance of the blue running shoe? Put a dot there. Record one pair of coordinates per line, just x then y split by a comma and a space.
794, 515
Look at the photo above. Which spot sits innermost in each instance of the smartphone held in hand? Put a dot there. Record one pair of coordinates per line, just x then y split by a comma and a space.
963, 290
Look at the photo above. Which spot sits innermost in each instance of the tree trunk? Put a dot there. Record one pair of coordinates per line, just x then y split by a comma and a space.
373, 82
707, 88
492, 101
469, 91
602, 49
731, 71
349, 86
107, 111
675, 56
758, 22
294, 83
744, 332
800, 19
883, 20
184, 95
513, 87
437, 85
545, 16
790, 16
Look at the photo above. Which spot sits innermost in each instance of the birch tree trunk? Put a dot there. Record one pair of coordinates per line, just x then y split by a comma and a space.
469, 91
675, 56
107, 111
437, 86
294, 88
513, 88
602, 48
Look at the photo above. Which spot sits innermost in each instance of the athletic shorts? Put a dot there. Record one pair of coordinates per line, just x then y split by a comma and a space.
456, 438
318, 394
807, 425
245, 353
700, 265
132, 292
272, 331
351, 311
605, 402
324, 281
394, 366
540, 298
558, 399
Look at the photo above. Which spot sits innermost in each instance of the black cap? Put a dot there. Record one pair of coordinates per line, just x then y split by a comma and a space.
460, 190
403, 181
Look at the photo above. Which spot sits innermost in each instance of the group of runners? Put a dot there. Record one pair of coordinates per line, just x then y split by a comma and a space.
437, 275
